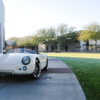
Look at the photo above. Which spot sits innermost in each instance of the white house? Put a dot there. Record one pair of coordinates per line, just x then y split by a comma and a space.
91, 46
2, 36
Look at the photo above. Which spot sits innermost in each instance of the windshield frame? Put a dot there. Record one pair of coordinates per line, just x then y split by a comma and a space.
22, 50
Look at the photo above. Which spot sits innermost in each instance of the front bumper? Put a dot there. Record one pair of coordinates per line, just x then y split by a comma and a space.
17, 69
7, 72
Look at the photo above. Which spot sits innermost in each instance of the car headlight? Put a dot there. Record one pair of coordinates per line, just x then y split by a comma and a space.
26, 60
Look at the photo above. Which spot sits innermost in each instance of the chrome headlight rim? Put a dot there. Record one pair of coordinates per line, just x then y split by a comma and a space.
26, 58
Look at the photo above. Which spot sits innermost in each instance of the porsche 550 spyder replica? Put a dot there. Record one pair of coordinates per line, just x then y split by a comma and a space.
22, 61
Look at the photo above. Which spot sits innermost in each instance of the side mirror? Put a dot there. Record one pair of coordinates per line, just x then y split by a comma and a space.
4, 51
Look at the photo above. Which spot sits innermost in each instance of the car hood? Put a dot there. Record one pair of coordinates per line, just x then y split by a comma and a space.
11, 59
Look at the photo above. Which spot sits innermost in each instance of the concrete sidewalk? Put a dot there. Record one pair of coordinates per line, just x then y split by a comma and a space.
62, 84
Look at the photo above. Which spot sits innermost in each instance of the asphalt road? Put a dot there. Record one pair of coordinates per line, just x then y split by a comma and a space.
58, 83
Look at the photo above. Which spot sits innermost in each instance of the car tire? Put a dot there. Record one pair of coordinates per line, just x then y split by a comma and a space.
37, 72
46, 67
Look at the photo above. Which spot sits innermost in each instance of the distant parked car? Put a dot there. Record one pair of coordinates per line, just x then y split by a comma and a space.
23, 61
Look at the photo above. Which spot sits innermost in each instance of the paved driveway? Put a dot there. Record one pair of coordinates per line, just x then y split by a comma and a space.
58, 83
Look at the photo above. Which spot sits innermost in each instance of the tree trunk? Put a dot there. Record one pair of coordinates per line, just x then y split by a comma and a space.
58, 47
87, 45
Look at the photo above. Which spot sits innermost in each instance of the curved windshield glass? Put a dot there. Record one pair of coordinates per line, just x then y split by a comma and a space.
22, 50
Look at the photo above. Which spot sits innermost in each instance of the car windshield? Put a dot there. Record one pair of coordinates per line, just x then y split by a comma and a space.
22, 50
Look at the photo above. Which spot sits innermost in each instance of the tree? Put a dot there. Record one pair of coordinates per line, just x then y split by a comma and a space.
64, 38
64, 29
51, 32
91, 31
46, 36
63, 32
25, 41
41, 35
55, 36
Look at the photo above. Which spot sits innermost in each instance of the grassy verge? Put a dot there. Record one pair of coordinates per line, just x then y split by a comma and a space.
76, 55
87, 71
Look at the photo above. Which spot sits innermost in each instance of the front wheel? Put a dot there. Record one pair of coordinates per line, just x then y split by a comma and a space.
37, 72
46, 67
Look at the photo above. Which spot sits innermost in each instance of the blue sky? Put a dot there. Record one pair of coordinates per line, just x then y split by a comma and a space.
25, 17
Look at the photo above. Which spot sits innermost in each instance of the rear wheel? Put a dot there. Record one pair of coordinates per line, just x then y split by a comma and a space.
37, 72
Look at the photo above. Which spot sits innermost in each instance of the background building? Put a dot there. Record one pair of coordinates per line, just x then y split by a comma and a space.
73, 46
2, 36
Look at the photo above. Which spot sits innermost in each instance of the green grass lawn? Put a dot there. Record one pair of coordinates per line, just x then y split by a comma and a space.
87, 71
